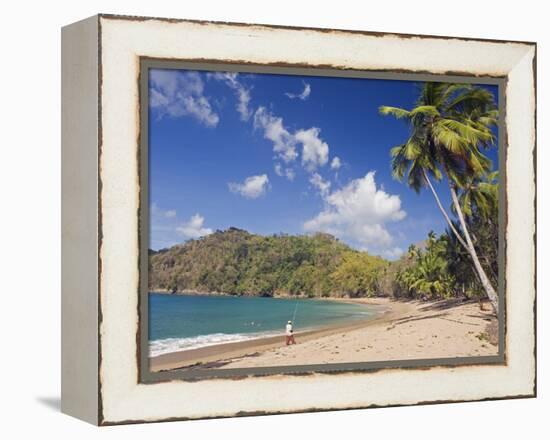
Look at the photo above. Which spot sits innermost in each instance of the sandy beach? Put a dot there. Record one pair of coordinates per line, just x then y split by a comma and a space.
402, 330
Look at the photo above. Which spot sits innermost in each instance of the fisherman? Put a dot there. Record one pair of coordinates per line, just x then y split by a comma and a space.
289, 333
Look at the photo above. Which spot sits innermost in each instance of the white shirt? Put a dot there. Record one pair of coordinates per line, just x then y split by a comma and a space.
288, 329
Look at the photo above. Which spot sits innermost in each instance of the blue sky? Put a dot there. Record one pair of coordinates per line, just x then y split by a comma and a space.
282, 153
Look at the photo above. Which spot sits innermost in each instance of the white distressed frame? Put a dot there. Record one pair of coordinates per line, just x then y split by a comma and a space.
122, 42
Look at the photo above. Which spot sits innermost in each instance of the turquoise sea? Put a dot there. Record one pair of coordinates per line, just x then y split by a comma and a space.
183, 322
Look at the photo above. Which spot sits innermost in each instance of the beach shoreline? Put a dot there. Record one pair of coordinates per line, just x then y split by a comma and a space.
235, 319
343, 298
208, 354
402, 330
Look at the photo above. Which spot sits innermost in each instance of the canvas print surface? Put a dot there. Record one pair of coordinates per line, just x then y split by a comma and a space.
313, 220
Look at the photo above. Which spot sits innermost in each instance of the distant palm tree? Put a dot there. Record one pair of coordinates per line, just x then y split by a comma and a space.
479, 202
450, 125
479, 195
412, 252
429, 276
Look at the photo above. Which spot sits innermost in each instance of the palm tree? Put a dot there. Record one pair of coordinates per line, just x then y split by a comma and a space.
479, 196
429, 276
412, 252
450, 125
479, 202
432, 278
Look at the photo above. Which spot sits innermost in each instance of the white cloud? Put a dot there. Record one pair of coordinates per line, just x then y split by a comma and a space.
284, 143
336, 163
194, 228
304, 95
322, 185
242, 93
284, 172
176, 94
359, 212
393, 253
154, 209
314, 149
158, 212
290, 174
252, 187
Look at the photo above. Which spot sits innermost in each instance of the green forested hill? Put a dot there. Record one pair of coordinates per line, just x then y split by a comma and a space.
237, 262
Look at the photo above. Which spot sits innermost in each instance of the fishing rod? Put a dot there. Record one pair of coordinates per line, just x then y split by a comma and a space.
295, 310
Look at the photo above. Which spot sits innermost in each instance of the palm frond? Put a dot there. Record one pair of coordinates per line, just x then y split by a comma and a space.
471, 132
449, 126
398, 113
412, 149
476, 97
446, 137
415, 177
399, 162
454, 88
424, 110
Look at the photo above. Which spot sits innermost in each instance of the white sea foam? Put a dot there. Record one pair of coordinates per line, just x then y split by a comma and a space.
170, 345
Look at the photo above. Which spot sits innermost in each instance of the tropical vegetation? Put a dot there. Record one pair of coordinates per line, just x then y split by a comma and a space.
450, 127
240, 263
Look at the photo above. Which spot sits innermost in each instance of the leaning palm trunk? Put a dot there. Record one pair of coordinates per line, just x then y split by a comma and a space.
491, 293
468, 244
442, 209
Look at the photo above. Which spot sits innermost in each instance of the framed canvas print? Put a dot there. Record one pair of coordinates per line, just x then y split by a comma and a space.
320, 214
